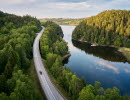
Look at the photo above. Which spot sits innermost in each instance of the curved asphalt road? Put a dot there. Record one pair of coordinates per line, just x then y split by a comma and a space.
49, 89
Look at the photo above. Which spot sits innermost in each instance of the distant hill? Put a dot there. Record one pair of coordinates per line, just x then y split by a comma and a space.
63, 21
110, 27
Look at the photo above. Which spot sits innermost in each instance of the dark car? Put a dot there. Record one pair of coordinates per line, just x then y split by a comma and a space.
40, 72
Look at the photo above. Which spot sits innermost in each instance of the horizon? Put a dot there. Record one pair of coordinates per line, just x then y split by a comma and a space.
61, 8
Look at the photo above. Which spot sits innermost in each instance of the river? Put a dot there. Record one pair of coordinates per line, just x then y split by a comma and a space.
103, 64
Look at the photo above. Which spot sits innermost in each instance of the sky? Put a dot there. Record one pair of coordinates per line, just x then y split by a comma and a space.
61, 8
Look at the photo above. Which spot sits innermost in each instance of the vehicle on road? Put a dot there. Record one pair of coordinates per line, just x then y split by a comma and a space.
40, 72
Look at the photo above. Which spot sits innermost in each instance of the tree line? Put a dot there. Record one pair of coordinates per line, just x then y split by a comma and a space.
110, 27
16, 39
100, 51
53, 48
63, 21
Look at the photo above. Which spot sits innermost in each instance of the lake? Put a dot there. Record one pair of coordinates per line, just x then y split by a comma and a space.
103, 64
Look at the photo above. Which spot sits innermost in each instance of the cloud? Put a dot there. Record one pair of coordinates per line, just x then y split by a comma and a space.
117, 4
108, 66
68, 0
14, 2
61, 8
100, 69
127, 71
68, 6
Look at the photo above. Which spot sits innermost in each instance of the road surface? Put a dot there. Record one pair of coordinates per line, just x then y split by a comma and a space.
47, 86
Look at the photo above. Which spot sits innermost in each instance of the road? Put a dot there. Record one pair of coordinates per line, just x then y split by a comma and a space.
49, 89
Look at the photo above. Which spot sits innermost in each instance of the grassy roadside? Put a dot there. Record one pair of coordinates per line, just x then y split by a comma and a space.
125, 51
55, 82
32, 74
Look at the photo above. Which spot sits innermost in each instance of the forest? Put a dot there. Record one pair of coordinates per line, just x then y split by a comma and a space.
53, 48
17, 35
16, 40
63, 21
111, 27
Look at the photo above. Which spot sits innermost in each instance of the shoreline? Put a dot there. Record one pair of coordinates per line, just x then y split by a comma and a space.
69, 24
125, 51
66, 56
96, 44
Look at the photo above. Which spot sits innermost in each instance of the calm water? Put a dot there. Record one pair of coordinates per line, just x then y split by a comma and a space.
102, 64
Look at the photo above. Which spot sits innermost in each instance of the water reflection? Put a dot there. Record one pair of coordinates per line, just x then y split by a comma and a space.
108, 66
104, 64
105, 52
127, 70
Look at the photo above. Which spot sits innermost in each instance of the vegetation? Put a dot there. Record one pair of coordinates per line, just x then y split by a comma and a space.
75, 87
100, 51
16, 40
53, 48
63, 21
98, 93
31, 72
125, 51
110, 27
